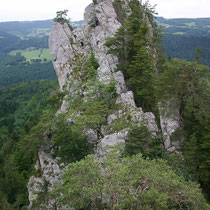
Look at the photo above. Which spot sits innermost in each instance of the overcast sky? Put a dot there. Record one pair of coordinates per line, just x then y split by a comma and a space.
11, 10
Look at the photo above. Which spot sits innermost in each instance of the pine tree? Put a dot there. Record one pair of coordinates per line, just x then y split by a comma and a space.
188, 83
135, 46
198, 54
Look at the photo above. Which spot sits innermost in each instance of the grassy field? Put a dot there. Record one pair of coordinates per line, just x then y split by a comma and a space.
39, 32
192, 24
166, 25
34, 54
179, 33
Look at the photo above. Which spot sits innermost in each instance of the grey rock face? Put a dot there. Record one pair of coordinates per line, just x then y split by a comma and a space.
127, 98
49, 171
109, 141
170, 121
119, 78
100, 22
61, 50
65, 45
35, 186
68, 48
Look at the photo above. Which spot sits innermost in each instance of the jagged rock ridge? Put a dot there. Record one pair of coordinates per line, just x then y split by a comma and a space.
67, 47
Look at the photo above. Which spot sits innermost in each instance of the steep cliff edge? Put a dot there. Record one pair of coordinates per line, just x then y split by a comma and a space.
70, 47
70, 50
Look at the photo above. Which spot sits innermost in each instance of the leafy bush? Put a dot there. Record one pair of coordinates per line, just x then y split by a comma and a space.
131, 183
69, 143
94, 111
95, 2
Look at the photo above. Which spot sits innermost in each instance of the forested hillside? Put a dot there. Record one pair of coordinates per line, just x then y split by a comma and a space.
182, 36
22, 107
24, 53
27, 80
16, 69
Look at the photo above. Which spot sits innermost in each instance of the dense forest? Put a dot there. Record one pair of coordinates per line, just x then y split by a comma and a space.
147, 176
15, 69
182, 36
22, 107
26, 84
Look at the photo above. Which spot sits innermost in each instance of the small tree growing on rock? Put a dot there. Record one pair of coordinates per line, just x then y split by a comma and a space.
61, 17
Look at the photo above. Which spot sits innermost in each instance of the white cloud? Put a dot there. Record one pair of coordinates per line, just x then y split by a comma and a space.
40, 9
182, 8
46, 9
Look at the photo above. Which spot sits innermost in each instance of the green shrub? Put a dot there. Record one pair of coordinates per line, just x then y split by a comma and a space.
95, 2
69, 143
139, 140
131, 183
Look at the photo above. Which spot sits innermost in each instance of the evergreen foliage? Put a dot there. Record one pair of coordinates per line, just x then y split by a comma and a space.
95, 110
188, 83
140, 140
95, 2
69, 143
89, 68
61, 17
198, 54
136, 48
22, 72
131, 183
24, 118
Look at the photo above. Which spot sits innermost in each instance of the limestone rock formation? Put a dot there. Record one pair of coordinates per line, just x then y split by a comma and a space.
170, 121
68, 48
48, 171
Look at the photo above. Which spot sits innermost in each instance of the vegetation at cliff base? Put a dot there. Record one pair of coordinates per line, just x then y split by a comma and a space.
131, 183
153, 79
188, 84
24, 116
69, 143
140, 140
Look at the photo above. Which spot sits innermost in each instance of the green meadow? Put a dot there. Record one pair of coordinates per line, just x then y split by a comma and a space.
34, 54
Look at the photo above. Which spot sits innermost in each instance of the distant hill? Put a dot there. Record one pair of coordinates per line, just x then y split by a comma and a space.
23, 52
29, 39
186, 26
182, 36
22, 35
27, 28
24, 27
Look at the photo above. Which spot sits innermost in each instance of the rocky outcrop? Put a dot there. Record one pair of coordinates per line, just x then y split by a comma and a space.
67, 46
110, 141
170, 121
68, 49
48, 172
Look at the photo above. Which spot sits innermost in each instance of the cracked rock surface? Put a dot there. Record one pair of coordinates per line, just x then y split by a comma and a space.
67, 49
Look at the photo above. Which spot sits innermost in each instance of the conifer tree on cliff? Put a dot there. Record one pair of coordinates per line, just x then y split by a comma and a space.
135, 45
